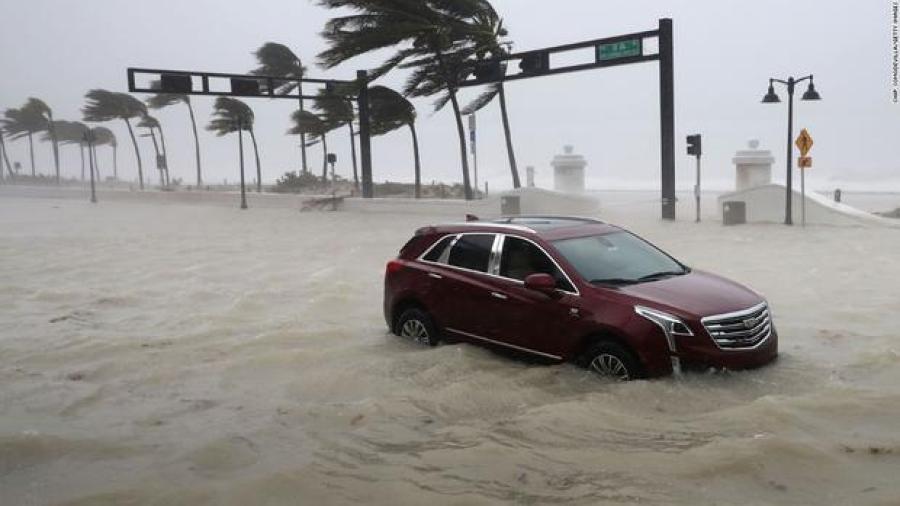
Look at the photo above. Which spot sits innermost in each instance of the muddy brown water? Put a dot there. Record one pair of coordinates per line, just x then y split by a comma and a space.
192, 355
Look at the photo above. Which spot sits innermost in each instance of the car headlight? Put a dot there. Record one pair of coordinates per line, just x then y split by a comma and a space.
671, 325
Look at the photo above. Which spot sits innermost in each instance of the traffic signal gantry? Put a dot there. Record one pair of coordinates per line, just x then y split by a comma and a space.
608, 52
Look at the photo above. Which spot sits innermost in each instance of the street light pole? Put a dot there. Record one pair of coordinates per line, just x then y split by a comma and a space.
772, 98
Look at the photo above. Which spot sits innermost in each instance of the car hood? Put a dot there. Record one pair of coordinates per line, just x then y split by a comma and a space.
696, 294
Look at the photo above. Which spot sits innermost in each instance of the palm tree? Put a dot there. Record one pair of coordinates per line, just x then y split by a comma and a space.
25, 122
336, 111
487, 32
161, 100
44, 109
105, 105
152, 125
70, 132
388, 111
104, 136
231, 115
435, 36
279, 61
5, 156
307, 123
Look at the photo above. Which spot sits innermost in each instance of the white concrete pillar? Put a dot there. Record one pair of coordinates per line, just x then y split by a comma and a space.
753, 167
568, 171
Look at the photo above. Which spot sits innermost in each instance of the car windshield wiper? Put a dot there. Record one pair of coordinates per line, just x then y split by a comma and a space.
614, 281
664, 274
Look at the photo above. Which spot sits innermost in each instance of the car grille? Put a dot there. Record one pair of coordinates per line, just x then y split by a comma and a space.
742, 329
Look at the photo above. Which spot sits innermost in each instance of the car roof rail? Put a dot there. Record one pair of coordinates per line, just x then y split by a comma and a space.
548, 218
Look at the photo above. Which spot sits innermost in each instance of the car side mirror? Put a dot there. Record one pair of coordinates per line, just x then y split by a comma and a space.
543, 283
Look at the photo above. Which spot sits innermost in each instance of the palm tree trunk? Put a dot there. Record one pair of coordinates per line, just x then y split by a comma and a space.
513, 167
115, 162
31, 152
258, 168
81, 148
55, 143
415, 139
96, 162
6, 158
162, 181
304, 169
324, 159
196, 144
460, 130
137, 153
353, 155
165, 154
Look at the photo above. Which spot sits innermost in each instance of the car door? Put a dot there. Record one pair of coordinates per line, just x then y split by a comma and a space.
524, 318
461, 283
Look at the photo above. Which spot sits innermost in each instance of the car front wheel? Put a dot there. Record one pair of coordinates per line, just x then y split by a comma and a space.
611, 361
415, 324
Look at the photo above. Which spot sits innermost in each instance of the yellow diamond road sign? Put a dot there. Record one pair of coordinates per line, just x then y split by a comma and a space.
804, 142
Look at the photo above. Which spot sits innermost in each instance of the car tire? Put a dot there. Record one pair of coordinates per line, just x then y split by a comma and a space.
612, 361
417, 325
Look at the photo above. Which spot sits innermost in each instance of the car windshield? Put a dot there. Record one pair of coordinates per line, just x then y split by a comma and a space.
618, 258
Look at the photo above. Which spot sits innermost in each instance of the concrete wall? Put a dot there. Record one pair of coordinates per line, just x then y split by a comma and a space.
765, 204
532, 201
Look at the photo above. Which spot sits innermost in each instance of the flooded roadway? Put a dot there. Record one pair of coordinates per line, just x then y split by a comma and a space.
199, 355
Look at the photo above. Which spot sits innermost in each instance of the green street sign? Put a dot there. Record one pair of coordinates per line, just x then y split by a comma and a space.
616, 50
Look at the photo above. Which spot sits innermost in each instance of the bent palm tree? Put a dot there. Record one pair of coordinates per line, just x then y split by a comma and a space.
25, 122
436, 37
161, 100
152, 125
40, 107
335, 110
307, 123
105, 105
105, 137
5, 156
231, 115
389, 111
70, 132
279, 61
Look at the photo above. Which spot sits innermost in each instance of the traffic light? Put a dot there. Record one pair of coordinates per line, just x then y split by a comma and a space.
245, 87
535, 63
175, 83
489, 71
695, 145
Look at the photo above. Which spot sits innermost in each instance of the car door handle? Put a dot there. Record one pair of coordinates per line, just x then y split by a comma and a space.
435, 276
498, 296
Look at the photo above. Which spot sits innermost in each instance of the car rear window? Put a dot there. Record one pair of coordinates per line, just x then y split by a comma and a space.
473, 252
436, 252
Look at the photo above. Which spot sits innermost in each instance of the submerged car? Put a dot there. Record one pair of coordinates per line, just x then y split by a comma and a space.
574, 289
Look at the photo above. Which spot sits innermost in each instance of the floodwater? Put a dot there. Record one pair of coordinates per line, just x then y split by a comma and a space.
175, 355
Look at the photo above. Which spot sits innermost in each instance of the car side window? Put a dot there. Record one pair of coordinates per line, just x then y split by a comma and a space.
521, 259
438, 250
472, 251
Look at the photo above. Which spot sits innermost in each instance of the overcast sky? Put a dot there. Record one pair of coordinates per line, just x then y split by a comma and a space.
725, 51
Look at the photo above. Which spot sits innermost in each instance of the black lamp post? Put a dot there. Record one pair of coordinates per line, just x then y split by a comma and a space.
772, 98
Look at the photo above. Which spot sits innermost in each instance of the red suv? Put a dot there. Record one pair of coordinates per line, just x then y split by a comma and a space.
573, 289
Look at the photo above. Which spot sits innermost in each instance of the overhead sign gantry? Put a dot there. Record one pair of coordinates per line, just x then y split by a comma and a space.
624, 49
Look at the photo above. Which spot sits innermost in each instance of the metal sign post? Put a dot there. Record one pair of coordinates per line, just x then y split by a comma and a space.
804, 143
473, 137
608, 52
695, 148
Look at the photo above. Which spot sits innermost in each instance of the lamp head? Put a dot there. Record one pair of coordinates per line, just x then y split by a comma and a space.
811, 93
771, 97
